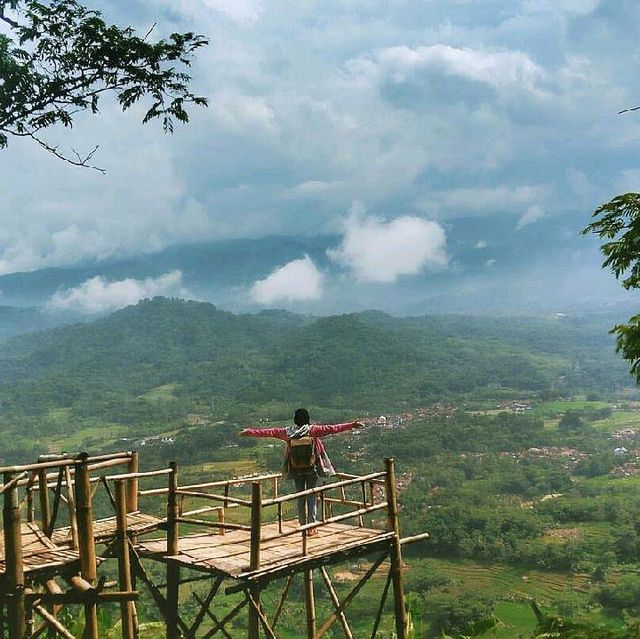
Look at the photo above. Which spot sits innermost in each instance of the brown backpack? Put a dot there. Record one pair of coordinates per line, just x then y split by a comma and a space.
302, 453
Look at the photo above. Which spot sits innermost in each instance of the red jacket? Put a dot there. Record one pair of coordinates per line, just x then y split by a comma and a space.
317, 432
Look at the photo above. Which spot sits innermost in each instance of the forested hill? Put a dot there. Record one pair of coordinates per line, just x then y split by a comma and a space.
364, 360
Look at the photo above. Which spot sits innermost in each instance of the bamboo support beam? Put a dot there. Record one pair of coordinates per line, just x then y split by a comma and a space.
71, 502
44, 499
347, 600
211, 616
173, 568
226, 619
383, 600
214, 497
261, 616
254, 562
14, 575
396, 552
336, 602
330, 520
124, 565
214, 484
283, 598
86, 542
53, 622
211, 524
204, 605
310, 604
13, 482
320, 489
132, 484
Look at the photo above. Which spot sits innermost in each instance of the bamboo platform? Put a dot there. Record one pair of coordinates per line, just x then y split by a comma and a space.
39, 553
357, 516
104, 530
229, 555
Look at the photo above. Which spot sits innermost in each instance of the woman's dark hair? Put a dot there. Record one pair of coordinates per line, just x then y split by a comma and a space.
301, 417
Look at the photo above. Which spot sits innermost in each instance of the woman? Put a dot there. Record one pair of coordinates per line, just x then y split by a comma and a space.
305, 457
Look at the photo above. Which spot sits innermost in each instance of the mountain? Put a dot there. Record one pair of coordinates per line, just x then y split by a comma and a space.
494, 266
18, 320
356, 360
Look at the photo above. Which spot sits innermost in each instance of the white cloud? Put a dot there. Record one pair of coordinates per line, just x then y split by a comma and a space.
98, 295
484, 199
532, 214
500, 68
297, 281
243, 114
379, 251
243, 12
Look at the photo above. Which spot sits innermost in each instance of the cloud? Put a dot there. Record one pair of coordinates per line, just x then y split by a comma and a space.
297, 281
243, 114
379, 251
315, 104
532, 214
243, 12
97, 295
481, 199
500, 69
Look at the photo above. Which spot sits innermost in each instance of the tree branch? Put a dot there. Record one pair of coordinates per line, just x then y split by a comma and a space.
80, 161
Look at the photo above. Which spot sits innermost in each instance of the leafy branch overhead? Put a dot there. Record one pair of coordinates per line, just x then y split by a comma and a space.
618, 223
60, 58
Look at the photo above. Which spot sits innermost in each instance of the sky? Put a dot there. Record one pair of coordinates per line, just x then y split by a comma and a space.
376, 121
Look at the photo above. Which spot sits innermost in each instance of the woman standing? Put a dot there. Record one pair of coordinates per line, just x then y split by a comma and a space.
305, 457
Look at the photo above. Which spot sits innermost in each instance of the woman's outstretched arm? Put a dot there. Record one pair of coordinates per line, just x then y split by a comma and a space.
278, 433
322, 430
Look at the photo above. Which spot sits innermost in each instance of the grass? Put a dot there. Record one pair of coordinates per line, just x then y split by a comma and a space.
160, 393
516, 620
550, 409
504, 582
89, 437
618, 420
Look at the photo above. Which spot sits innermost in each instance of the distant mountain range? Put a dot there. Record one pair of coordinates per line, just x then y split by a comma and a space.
361, 358
494, 267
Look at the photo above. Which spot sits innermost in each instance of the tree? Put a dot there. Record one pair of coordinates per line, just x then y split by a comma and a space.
618, 222
60, 58
570, 421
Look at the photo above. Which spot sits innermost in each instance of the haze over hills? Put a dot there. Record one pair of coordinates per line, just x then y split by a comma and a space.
347, 360
492, 268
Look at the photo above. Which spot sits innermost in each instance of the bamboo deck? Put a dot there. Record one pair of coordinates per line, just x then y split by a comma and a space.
39, 552
229, 554
105, 529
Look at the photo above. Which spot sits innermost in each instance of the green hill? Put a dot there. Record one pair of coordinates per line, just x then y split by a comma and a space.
219, 362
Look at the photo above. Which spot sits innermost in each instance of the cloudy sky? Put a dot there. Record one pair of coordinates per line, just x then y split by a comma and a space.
373, 120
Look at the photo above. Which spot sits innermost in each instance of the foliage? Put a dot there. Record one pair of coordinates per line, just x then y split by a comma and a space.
61, 58
618, 223
454, 613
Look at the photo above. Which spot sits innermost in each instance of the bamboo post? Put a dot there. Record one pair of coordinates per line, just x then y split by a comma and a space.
43, 493
31, 508
256, 524
310, 604
395, 554
73, 521
132, 483
52, 588
13, 559
124, 565
173, 568
86, 541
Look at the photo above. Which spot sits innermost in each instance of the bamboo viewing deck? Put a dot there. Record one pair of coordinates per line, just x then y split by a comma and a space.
229, 555
210, 531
